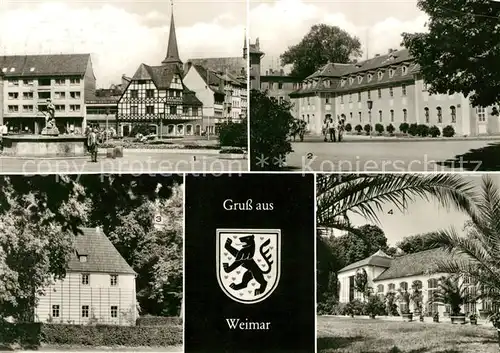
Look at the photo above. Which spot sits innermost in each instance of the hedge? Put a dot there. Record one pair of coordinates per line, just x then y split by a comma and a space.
86, 335
159, 321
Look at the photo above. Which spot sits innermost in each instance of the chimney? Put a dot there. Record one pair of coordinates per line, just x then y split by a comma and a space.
124, 82
189, 64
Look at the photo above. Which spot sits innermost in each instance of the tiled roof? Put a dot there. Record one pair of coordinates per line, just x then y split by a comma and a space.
254, 49
44, 65
161, 75
101, 254
236, 66
383, 63
379, 259
189, 98
417, 264
210, 78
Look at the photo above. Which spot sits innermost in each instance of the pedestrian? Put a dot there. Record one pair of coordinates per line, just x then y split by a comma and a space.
325, 129
93, 144
331, 130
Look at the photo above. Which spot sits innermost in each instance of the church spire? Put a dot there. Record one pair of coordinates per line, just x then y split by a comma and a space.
172, 50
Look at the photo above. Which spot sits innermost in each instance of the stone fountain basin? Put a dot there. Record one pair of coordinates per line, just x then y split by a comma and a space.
44, 145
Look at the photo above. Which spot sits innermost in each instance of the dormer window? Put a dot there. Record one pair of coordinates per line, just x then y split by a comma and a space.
404, 69
380, 74
82, 258
370, 76
4, 69
391, 72
351, 80
12, 69
32, 69
342, 83
327, 83
360, 78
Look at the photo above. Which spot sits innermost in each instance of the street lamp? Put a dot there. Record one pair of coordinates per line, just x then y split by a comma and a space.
370, 106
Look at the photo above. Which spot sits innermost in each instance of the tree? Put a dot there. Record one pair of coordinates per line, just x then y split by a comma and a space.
269, 129
418, 242
361, 283
234, 134
460, 51
452, 292
39, 218
475, 254
321, 45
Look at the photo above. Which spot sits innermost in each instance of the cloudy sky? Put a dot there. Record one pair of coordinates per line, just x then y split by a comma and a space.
121, 34
421, 216
282, 23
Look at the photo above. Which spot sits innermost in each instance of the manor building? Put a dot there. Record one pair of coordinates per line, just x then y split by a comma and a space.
387, 274
387, 89
99, 286
157, 95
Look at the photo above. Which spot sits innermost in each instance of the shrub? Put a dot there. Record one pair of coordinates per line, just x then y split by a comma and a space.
434, 131
340, 309
358, 128
375, 306
107, 335
159, 321
422, 130
379, 128
413, 129
390, 129
368, 128
23, 334
356, 307
269, 130
233, 134
404, 127
348, 127
448, 131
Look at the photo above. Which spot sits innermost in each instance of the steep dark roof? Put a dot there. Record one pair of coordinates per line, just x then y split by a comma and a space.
44, 65
379, 259
210, 78
172, 49
417, 264
189, 98
333, 70
161, 75
102, 256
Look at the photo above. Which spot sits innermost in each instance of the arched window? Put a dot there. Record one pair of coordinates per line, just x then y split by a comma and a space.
405, 115
403, 286
392, 116
453, 114
439, 115
416, 285
391, 287
432, 287
380, 288
380, 115
380, 74
427, 117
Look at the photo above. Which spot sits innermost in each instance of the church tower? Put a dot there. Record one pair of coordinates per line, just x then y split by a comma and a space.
172, 49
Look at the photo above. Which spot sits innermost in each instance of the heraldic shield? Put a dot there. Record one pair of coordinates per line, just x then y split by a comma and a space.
248, 263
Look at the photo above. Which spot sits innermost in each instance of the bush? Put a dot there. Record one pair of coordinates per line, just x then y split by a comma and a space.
375, 306
422, 130
434, 131
340, 309
448, 131
358, 129
368, 128
390, 129
404, 127
107, 335
379, 128
23, 334
348, 127
233, 134
269, 128
413, 129
356, 307
159, 321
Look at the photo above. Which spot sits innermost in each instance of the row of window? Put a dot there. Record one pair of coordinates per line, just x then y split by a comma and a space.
46, 95
56, 311
151, 93
44, 82
85, 279
150, 109
31, 109
380, 75
379, 94
391, 287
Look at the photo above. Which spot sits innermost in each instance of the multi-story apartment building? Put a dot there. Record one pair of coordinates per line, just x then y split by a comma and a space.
157, 95
386, 89
102, 107
99, 286
31, 80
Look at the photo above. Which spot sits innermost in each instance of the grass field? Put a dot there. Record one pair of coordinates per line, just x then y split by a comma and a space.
350, 335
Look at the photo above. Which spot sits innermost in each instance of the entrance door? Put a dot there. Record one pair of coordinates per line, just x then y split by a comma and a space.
126, 130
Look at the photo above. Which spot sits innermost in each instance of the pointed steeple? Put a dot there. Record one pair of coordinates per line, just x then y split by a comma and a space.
172, 50
245, 48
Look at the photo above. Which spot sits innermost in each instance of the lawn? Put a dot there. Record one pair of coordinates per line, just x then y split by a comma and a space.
351, 335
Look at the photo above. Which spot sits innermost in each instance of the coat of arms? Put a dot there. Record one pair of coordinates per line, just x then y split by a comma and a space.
248, 263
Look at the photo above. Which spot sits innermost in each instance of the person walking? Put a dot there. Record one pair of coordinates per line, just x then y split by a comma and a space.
92, 145
331, 130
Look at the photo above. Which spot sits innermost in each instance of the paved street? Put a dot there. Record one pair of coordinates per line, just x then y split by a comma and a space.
134, 161
396, 156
